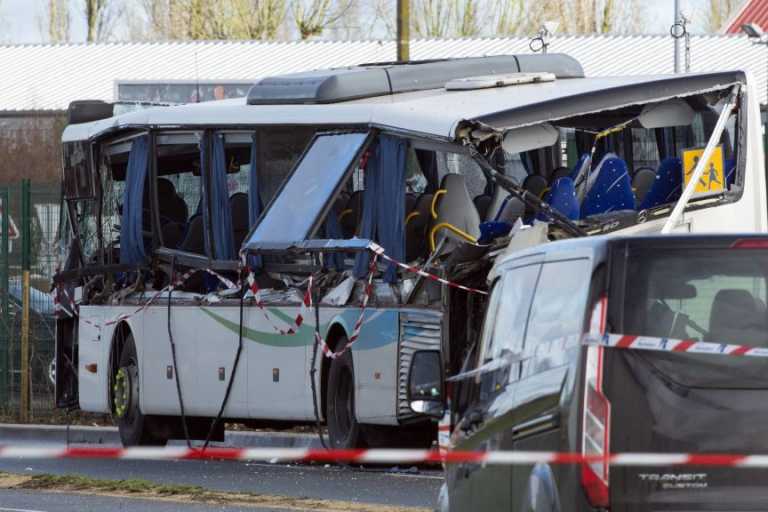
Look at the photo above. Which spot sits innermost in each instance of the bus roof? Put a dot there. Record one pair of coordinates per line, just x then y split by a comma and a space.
434, 112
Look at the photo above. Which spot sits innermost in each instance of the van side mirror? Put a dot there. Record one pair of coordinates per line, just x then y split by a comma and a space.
425, 384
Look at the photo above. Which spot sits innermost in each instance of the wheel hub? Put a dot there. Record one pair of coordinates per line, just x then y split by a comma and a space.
125, 391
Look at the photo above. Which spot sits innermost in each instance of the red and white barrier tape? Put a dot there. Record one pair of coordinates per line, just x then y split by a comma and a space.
70, 309
673, 345
181, 280
379, 251
297, 321
358, 323
386, 456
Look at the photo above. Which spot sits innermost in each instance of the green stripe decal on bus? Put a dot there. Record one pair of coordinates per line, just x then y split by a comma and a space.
303, 337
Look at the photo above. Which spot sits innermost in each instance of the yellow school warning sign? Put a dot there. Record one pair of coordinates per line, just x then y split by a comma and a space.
713, 178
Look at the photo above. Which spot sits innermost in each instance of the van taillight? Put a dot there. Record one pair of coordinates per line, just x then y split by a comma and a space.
597, 320
750, 243
595, 431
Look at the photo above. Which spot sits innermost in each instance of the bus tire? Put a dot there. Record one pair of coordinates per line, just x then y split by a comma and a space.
344, 432
136, 429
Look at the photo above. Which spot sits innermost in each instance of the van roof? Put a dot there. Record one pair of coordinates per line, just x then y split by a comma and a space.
434, 112
593, 244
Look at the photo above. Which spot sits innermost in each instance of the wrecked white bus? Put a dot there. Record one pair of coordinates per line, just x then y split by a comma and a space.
238, 260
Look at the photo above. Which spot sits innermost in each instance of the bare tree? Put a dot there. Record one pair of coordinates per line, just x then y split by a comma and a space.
253, 19
384, 16
573, 16
58, 21
100, 18
466, 18
432, 18
312, 17
214, 19
720, 12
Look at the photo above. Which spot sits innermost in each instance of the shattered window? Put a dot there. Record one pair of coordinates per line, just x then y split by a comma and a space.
309, 188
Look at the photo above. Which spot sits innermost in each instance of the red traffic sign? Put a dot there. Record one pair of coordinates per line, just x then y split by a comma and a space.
13, 231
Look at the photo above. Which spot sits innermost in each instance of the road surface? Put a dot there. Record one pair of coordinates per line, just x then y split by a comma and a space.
36, 501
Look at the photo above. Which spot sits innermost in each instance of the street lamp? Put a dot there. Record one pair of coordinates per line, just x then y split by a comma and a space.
753, 30
540, 43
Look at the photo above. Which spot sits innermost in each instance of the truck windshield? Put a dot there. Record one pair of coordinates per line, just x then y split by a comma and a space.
708, 295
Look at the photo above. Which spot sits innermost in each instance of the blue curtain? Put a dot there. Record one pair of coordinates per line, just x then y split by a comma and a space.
384, 203
221, 213
333, 232
370, 198
205, 145
131, 236
254, 197
393, 154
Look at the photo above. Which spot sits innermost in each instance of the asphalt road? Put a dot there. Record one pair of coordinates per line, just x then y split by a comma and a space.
28, 501
382, 486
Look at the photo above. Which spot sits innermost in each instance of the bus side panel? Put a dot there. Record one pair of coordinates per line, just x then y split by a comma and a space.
94, 346
158, 379
216, 332
375, 359
278, 364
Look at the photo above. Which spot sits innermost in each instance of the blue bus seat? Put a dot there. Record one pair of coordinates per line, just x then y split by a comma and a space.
667, 186
580, 166
562, 197
611, 190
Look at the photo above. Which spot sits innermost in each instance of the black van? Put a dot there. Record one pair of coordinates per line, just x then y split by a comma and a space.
523, 387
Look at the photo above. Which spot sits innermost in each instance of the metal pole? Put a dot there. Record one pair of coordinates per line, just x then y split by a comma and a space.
698, 171
677, 39
403, 30
26, 232
5, 316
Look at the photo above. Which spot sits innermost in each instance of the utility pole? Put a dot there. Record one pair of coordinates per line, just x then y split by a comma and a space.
677, 23
403, 30
26, 247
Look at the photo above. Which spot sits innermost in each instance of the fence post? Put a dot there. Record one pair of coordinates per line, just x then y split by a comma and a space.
26, 233
5, 314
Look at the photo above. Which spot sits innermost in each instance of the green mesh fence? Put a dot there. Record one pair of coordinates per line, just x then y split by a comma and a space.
43, 226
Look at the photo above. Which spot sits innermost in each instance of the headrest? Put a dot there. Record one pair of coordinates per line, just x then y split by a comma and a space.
453, 180
238, 203
535, 184
667, 186
165, 188
734, 300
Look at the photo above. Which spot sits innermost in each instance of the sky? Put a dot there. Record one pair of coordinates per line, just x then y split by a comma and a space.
21, 19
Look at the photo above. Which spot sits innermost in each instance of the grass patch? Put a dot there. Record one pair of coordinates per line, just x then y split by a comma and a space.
178, 493
131, 486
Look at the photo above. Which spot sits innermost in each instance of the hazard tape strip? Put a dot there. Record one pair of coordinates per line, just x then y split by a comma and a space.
379, 251
358, 323
298, 320
181, 280
624, 341
386, 456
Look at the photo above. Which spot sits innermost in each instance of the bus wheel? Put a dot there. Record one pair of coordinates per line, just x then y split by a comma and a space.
135, 428
343, 429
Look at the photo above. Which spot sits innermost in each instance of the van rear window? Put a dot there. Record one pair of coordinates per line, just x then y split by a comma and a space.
716, 295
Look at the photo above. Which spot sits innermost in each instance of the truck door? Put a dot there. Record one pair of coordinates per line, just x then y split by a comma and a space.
557, 313
486, 423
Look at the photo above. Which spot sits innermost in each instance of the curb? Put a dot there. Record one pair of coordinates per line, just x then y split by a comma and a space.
57, 434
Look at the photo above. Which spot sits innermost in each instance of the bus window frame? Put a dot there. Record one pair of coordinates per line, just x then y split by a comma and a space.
371, 135
167, 254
